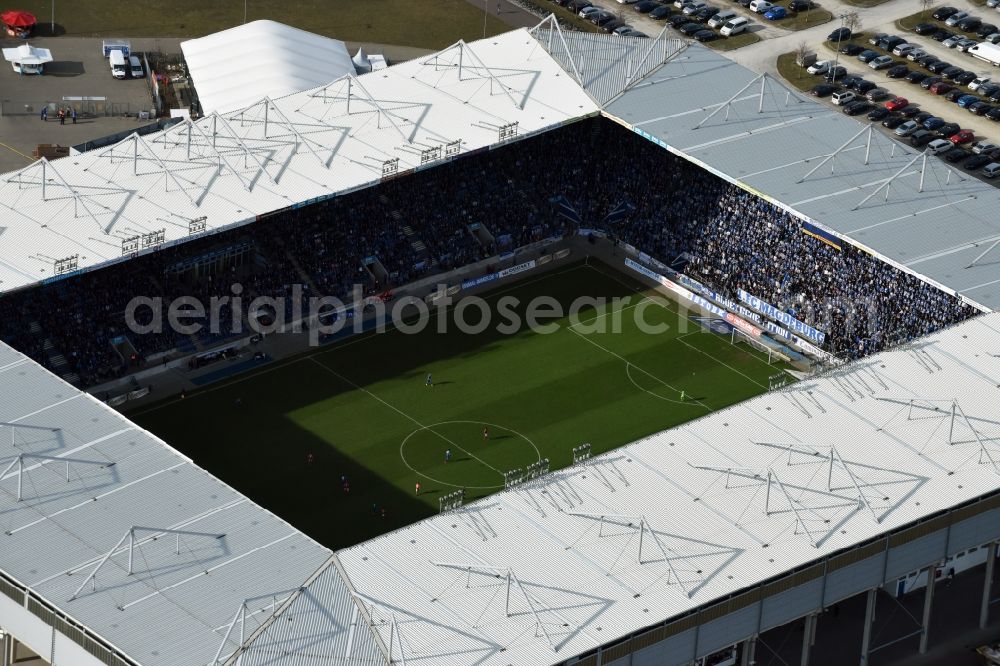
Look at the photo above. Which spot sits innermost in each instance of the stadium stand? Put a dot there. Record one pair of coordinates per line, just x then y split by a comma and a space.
419, 225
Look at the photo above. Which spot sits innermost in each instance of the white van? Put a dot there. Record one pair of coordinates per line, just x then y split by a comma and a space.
721, 18
760, 6
135, 67
118, 65
938, 146
734, 26
843, 97
991, 170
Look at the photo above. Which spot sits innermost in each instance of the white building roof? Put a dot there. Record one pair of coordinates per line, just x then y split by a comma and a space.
229, 168
26, 54
694, 514
234, 68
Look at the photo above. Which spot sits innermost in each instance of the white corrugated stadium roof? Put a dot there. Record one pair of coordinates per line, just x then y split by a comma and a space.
120, 477
234, 68
695, 497
230, 168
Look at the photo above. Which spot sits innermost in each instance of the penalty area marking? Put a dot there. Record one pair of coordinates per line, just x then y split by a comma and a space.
431, 427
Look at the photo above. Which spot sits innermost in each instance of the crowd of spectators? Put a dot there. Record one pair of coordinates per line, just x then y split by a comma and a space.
419, 224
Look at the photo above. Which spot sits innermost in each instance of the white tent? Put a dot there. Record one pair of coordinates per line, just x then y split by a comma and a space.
361, 62
27, 59
237, 67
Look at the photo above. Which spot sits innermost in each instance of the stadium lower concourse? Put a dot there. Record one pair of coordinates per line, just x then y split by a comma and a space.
809, 449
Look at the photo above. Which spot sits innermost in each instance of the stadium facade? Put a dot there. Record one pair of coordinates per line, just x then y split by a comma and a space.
118, 550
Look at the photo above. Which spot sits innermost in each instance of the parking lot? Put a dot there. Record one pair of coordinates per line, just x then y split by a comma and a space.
79, 70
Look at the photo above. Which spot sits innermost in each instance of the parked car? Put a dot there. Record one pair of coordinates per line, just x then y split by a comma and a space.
889, 42
801, 5
962, 136
907, 128
952, 41
877, 114
836, 73
876, 94
954, 19
956, 155
678, 20
587, 11
924, 28
857, 107
760, 6
843, 97
877, 37
994, 114
991, 170
966, 100
909, 111
992, 39
691, 28
979, 108
881, 62
981, 147
942, 13
949, 129
693, 7
645, 6
897, 71
903, 49
952, 72
863, 86
915, 54
916, 76
613, 25
867, 56
953, 95
979, 82
966, 44
964, 78
969, 24
942, 35
601, 17
897, 103
720, 19
922, 117
939, 66
660, 13
851, 49
976, 162
921, 138
705, 13
734, 26
938, 146
839, 35
776, 13
820, 67
892, 122
940, 88
933, 123
706, 35
823, 90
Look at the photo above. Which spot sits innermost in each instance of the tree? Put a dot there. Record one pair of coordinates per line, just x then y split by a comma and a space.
852, 21
925, 6
801, 51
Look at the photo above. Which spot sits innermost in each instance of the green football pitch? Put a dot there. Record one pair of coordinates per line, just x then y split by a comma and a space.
361, 408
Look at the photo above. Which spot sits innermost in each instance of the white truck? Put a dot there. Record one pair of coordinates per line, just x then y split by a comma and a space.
118, 63
986, 51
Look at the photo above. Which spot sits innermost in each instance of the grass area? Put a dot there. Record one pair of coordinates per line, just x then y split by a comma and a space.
911, 21
362, 408
807, 19
735, 42
428, 23
795, 75
867, 3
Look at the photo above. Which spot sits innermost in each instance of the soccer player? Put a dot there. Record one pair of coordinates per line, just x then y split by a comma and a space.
430, 380
486, 434
418, 488
447, 455
310, 458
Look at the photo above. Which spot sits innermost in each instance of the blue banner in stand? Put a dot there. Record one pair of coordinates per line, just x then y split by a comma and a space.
490, 277
724, 301
788, 320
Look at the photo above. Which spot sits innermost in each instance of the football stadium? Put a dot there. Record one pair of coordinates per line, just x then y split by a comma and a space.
548, 348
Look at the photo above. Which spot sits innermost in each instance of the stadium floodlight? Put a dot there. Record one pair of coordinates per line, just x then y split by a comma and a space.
154, 238
67, 265
430, 154
581, 453
197, 225
507, 131
452, 148
130, 245
452, 500
390, 167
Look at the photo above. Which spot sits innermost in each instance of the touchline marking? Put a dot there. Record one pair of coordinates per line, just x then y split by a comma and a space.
354, 338
630, 363
688, 344
403, 414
